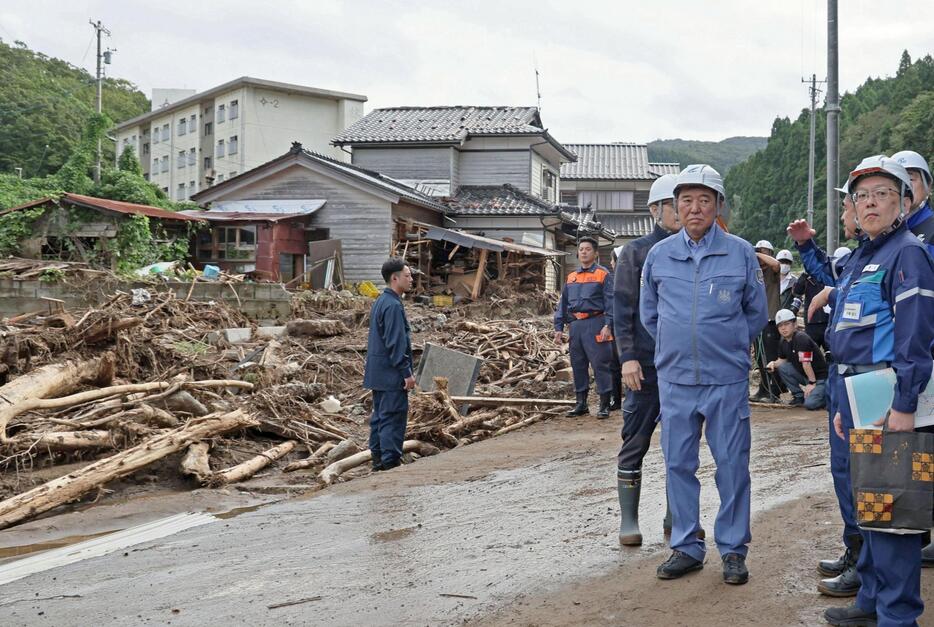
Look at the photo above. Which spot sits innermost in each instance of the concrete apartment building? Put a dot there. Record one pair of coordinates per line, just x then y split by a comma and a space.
190, 141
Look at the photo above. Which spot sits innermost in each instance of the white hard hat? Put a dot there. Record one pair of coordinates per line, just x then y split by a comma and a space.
618, 251
764, 243
911, 160
784, 315
784, 255
704, 176
882, 166
845, 189
840, 253
663, 188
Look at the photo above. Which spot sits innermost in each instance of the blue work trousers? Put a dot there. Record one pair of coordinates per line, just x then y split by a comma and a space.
387, 425
889, 570
840, 456
725, 409
587, 352
640, 415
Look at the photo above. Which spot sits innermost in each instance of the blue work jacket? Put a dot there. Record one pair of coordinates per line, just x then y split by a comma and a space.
921, 223
884, 312
703, 312
389, 345
587, 291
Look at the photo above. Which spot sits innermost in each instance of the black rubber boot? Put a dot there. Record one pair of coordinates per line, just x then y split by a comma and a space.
581, 408
832, 568
927, 556
846, 584
851, 616
629, 487
617, 403
604, 411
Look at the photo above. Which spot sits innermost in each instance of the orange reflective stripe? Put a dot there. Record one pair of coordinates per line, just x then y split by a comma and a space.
599, 275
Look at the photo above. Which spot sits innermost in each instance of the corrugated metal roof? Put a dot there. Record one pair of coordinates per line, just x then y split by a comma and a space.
628, 225
105, 204
619, 160
504, 200
440, 124
244, 216
665, 168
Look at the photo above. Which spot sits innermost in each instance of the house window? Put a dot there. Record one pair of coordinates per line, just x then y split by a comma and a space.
220, 178
182, 160
569, 198
234, 109
220, 149
165, 132
208, 128
146, 149
165, 164
549, 183
227, 243
207, 163
221, 113
606, 201
232, 145
182, 126
192, 157
180, 193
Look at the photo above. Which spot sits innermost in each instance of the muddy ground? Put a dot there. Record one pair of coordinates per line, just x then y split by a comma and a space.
516, 530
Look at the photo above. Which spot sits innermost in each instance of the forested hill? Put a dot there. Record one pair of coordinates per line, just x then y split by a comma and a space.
722, 155
47, 102
884, 115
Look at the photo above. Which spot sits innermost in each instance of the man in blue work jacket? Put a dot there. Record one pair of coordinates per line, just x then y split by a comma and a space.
884, 317
388, 369
587, 306
920, 218
703, 300
637, 355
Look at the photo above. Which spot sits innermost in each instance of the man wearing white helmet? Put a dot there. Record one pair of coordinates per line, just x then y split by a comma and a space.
921, 216
787, 285
703, 301
869, 332
637, 354
770, 388
800, 363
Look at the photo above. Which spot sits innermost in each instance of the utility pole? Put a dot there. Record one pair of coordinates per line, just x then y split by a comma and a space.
99, 28
814, 92
832, 107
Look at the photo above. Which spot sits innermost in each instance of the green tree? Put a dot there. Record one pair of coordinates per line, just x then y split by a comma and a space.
129, 163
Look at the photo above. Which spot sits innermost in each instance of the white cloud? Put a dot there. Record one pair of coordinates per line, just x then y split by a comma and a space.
610, 71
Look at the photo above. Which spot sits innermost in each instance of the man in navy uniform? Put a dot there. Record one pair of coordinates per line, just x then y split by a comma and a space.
388, 369
703, 300
884, 317
637, 355
587, 305
920, 218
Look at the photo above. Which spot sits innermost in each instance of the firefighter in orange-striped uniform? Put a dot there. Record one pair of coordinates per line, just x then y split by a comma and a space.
586, 306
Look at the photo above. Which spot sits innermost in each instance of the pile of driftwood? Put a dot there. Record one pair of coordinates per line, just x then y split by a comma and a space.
120, 387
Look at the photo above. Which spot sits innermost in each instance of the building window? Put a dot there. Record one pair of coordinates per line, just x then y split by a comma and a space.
232, 145
165, 190
165, 132
549, 183
180, 193
182, 126
155, 136
606, 201
227, 243
155, 165
165, 164
208, 128
207, 112
207, 163
569, 198
191, 187
146, 176
192, 157
220, 149
193, 123
146, 149
182, 160
233, 174
234, 109
220, 178
221, 113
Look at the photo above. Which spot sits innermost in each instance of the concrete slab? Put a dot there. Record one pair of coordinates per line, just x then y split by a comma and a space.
460, 369
268, 333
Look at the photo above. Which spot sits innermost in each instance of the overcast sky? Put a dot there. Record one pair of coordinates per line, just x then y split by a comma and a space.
610, 70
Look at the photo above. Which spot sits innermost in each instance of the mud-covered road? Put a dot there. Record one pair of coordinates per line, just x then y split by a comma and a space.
518, 530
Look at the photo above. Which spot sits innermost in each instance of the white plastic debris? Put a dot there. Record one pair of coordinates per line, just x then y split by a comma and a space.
141, 296
331, 405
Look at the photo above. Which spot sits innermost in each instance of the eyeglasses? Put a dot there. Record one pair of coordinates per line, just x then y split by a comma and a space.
880, 194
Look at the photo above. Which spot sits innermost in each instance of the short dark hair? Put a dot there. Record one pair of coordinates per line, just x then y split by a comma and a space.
590, 240
391, 266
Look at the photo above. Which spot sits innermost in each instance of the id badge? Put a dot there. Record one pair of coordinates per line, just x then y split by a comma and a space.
852, 310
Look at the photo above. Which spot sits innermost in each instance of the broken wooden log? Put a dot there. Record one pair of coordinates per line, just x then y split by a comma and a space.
50, 380
335, 470
64, 441
342, 450
242, 472
196, 462
316, 328
184, 402
492, 401
312, 460
73, 485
